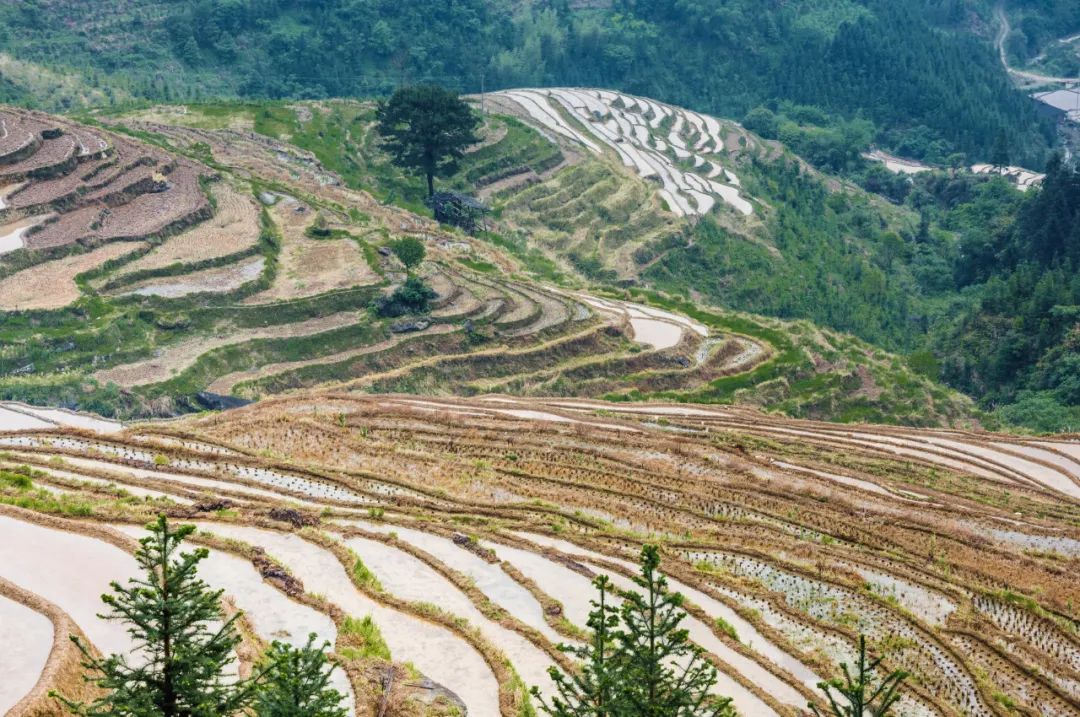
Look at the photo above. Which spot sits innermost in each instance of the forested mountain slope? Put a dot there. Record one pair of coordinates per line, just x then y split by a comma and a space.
926, 76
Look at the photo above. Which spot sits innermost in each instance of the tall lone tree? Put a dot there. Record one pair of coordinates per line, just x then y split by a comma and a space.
861, 694
183, 642
639, 662
427, 129
999, 155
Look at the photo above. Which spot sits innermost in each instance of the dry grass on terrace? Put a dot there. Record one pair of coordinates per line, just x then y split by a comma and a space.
234, 228
311, 266
52, 285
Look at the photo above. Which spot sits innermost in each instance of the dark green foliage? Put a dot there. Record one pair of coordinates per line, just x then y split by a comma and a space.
412, 297
1018, 337
592, 692
427, 129
662, 673
1036, 26
860, 693
409, 250
298, 683
171, 613
833, 263
918, 71
639, 662
999, 155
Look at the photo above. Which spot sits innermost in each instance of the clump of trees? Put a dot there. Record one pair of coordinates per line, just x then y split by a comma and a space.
187, 646
412, 297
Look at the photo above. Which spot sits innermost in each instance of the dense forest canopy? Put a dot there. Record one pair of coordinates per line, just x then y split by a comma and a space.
1018, 341
922, 73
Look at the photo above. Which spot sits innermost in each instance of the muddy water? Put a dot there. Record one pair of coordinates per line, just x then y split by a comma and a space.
73, 419
11, 235
499, 587
409, 578
435, 651
69, 570
26, 637
17, 421
572, 589
133, 490
1056, 479
845, 480
657, 333
1066, 464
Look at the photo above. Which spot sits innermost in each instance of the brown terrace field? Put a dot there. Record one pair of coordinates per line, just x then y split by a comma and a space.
467, 531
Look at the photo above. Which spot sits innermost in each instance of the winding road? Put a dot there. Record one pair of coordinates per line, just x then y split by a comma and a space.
1003, 32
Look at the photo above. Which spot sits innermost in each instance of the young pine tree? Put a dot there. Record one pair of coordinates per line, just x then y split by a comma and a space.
298, 683
183, 642
663, 674
859, 695
639, 663
592, 691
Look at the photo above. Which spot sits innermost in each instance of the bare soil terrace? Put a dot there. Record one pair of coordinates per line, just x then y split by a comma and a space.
787, 539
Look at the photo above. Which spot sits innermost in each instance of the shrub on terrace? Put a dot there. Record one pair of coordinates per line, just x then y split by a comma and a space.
412, 297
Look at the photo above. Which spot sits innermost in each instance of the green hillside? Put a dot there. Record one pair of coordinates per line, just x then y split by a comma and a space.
724, 58
962, 275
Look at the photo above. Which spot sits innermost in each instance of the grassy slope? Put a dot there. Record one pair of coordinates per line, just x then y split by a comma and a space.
578, 219
90, 331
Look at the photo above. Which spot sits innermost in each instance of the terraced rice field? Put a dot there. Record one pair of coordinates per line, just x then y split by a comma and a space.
206, 281
467, 531
309, 267
233, 229
51, 285
178, 357
181, 263
683, 151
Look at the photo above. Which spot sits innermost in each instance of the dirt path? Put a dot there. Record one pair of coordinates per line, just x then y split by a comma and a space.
1003, 33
